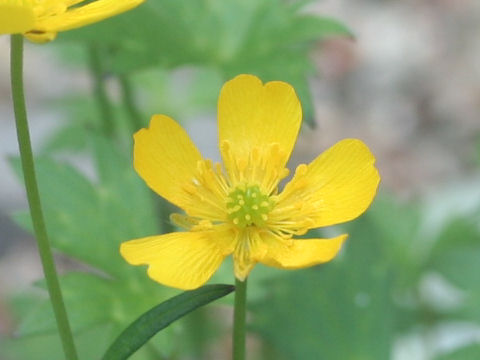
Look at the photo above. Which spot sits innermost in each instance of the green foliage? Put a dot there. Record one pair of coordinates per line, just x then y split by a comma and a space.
87, 220
456, 256
372, 293
269, 38
82, 215
314, 313
177, 54
456, 253
159, 317
47, 346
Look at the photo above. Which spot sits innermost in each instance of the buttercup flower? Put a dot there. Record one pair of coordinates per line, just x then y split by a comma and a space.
40, 20
237, 209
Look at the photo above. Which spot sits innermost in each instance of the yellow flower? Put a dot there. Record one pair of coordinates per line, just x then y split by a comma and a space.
40, 20
237, 209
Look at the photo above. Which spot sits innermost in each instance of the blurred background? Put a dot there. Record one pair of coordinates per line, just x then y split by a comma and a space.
403, 76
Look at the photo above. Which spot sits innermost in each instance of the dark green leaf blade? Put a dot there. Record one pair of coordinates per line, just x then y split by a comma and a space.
159, 317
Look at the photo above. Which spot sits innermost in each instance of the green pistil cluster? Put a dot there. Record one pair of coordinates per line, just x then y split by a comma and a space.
247, 206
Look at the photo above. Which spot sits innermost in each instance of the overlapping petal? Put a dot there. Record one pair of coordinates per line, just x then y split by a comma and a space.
40, 21
184, 260
249, 250
166, 158
85, 15
258, 126
337, 186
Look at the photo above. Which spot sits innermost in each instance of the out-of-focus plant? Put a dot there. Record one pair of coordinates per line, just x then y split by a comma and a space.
375, 293
356, 308
40, 21
88, 218
269, 38
87, 221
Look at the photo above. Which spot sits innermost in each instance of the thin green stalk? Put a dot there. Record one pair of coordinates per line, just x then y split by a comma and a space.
239, 313
100, 91
33, 197
129, 102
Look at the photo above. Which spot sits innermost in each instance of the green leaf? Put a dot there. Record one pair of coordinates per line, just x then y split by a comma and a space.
269, 38
312, 313
88, 299
158, 318
70, 137
315, 28
456, 253
89, 221
90, 344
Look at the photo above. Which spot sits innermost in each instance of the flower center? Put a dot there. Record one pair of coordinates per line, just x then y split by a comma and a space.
247, 206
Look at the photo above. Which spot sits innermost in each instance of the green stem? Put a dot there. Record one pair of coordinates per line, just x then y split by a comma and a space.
239, 313
33, 197
100, 91
129, 102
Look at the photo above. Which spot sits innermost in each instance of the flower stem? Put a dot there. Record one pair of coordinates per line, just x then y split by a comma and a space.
239, 313
96, 69
129, 103
34, 198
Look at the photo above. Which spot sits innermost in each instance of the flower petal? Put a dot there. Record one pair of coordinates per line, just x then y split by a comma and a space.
85, 15
300, 253
40, 37
249, 249
254, 117
184, 260
166, 158
337, 186
15, 17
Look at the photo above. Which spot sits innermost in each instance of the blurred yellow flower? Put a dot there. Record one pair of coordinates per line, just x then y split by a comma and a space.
237, 209
40, 20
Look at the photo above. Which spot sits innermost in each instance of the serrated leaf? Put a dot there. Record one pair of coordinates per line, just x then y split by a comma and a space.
270, 38
159, 317
89, 221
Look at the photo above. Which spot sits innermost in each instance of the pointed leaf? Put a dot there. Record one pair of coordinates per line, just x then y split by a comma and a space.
159, 317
